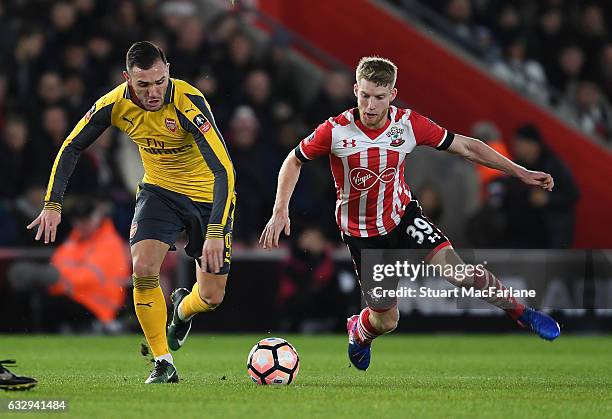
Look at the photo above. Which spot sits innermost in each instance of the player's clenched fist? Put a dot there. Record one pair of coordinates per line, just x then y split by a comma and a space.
47, 222
278, 223
541, 179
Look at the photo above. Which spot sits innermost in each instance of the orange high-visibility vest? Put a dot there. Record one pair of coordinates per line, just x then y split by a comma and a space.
93, 271
486, 174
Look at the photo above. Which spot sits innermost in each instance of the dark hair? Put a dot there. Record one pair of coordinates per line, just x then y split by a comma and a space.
529, 132
143, 54
79, 207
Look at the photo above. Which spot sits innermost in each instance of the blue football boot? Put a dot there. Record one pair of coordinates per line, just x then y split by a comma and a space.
359, 355
544, 325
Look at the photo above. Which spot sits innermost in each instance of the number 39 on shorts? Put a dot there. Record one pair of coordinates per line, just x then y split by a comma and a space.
424, 228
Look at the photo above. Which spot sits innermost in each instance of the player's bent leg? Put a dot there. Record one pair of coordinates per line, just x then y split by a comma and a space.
364, 328
206, 295
542, 324
150, 306
211, 287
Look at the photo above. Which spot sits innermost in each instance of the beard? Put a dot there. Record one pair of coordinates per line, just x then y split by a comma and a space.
373, 123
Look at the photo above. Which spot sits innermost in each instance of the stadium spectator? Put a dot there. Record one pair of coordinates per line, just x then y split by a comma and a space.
593, 32
590, 111
3, 98
101, 157
173, 12
88, 13
207, 83
50, 91
234, 64
258, 96
190, 47
522, 73
548, 39
64, 30
508, 23
75, 96
555, 41
17, 157
336, 95
224, 28
21, 210
430, 198
536, 220
100, 54
489, 133
605, 68
74, 59
486, 228
89, 270
309, 298
466, 32
282, 70
252, 186
565, 74
127, 24
27, 65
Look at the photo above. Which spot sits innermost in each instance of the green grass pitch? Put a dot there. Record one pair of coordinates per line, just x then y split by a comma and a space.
410, 376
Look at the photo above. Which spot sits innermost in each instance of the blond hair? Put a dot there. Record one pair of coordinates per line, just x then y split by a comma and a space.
377, 70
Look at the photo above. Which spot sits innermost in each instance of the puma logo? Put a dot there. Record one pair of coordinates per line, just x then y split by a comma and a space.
131, 121
145, 304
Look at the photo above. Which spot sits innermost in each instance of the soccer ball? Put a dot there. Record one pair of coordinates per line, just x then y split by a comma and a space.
273, 361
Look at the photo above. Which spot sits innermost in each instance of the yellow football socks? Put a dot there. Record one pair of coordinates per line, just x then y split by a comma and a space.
193, 304
151, 312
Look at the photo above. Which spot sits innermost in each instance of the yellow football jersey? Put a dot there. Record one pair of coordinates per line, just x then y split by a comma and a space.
180, 145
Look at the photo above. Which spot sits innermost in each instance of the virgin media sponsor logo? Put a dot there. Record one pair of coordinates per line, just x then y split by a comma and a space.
363, 179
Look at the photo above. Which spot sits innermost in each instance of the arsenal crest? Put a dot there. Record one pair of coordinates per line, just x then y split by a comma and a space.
171, 124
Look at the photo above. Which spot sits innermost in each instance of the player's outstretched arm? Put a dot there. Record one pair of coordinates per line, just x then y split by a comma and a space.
95, 121
279, 222
478, 152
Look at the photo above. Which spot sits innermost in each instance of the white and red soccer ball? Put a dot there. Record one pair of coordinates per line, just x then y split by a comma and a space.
273, 361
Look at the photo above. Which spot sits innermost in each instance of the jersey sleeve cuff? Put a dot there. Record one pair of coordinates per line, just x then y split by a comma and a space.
300, 155
214, 231
54, 206
446, 141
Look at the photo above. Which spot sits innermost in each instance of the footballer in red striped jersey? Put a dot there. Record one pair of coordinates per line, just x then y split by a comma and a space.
368, 165
367, 147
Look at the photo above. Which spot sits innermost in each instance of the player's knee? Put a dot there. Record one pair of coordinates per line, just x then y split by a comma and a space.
212, 297
143, 266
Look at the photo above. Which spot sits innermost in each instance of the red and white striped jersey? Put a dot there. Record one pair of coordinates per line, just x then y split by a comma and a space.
368, 165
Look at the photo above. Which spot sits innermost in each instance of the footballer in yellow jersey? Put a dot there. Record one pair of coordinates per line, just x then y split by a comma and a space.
188, 185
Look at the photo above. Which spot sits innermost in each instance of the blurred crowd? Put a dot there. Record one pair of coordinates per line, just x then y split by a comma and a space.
57, 58
557, 52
